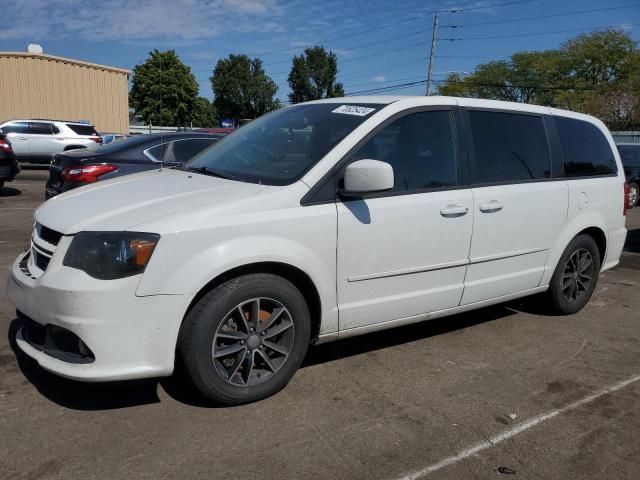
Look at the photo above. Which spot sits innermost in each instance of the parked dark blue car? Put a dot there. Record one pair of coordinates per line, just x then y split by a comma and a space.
630, 156
76, 168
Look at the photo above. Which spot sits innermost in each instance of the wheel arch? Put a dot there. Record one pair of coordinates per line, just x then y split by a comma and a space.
295, 275
599, 237
591, 224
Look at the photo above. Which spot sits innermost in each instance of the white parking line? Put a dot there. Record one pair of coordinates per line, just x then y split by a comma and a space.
473, 449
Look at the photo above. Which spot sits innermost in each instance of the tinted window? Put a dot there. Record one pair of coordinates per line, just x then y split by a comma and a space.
83, 129
180, 150
39, 128
586, 149
630, 155
421, 149
16, 127
508, 147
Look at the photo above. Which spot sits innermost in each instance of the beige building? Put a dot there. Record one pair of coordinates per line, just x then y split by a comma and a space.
36, 85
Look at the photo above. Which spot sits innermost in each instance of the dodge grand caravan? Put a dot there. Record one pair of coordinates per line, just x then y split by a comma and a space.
317, 222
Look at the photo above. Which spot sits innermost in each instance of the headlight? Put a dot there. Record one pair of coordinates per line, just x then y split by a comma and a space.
111, 255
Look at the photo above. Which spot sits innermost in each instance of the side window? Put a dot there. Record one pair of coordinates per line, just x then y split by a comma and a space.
39, 128
586, 150
508, 147
55, 130
184, 150
421, 149
16, 127
180, 150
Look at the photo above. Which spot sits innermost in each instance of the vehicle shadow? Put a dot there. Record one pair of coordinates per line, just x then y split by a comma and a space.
632, 243
9, 192
113, 395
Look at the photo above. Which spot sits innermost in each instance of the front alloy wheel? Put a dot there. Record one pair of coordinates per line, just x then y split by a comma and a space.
244, 340
253, 342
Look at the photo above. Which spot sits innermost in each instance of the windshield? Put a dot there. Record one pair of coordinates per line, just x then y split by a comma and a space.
278, 148
630, 155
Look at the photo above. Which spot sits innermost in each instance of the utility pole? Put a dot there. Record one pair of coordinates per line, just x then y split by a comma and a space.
433, 51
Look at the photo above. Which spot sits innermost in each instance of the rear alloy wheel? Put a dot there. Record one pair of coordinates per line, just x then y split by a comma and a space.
244, 340
634, 193
575, 276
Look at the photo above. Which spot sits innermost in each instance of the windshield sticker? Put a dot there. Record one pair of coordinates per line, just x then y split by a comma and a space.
353, 110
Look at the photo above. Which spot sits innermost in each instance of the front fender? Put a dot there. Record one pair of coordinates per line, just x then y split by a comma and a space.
184, 263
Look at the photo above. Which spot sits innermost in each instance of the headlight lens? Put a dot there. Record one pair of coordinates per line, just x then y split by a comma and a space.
111, 255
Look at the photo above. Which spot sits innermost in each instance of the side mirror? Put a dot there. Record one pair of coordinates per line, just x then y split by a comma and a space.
367, 176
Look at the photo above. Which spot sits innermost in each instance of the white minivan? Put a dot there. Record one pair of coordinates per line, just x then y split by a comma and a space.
316, 222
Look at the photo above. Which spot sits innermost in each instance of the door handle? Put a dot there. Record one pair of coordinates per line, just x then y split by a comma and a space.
454, 211
23, 138
491, 207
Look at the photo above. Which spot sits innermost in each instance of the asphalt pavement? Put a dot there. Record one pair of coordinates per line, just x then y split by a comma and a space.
506, 391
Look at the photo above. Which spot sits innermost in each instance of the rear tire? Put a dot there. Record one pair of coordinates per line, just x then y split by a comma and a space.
575, 276
244, 340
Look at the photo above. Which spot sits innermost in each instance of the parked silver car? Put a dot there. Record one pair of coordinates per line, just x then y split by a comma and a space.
36, 140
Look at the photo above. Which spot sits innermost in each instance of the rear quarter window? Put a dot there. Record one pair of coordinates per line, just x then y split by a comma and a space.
586, 150
87, 130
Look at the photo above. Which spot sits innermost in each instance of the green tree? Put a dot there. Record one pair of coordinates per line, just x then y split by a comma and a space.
313, 76
204, 114
163, 90
596, 73
241, 88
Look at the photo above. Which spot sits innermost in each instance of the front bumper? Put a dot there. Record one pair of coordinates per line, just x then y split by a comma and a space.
129, 336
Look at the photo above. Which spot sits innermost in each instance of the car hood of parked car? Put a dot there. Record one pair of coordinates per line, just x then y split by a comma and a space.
127, 201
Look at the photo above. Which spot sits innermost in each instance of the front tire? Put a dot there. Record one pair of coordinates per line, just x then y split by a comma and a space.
244, 340
575, 276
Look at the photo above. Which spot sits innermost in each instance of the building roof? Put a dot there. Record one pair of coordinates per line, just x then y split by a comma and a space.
55, 58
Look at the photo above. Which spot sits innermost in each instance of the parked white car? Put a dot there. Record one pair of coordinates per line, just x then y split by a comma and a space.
316, 222
36, 140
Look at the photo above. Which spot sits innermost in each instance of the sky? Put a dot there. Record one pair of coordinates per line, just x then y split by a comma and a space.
379, 43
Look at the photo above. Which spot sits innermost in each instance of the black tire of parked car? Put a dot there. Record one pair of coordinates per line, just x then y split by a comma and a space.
634, 194
202, 324
575, 275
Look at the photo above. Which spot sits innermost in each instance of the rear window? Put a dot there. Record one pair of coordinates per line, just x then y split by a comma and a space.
180, 150
82, 129
630, 155
508, 147
586, 150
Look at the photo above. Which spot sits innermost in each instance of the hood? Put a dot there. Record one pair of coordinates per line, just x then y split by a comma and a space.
127, 201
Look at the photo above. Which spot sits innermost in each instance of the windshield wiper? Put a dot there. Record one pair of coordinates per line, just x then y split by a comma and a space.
211, 173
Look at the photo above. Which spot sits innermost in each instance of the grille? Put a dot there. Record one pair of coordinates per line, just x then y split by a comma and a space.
40, 260
48, 235
43, 246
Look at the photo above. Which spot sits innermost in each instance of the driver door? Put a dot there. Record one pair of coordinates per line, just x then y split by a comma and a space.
404, 253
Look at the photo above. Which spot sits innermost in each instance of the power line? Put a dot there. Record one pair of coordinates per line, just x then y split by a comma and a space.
361, 32
534, 33
468, 9
540, 17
